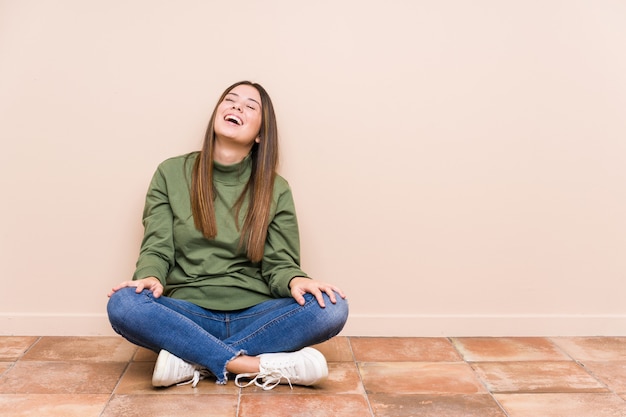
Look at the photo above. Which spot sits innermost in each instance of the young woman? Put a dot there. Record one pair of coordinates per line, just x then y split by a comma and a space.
218, 287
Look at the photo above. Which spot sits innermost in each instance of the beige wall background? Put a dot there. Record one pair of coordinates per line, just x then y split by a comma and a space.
459, 167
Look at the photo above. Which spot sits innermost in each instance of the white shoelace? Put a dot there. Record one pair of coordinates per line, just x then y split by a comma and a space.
266, 380
198, 375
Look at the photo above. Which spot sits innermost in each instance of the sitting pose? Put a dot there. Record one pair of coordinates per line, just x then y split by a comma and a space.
218, 287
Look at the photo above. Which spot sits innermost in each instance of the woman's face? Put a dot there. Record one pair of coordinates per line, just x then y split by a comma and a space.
239, 116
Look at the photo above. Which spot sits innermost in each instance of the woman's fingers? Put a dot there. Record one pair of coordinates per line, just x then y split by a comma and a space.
150, 283
301, 286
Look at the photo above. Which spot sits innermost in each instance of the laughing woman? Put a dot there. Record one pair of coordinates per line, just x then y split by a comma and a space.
218, 287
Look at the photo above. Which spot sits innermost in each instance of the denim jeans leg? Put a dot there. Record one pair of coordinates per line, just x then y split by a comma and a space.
282, 325
174, 325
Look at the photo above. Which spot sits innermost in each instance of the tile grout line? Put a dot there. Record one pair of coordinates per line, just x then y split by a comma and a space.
119, 381
19, 357
39, 338
483, 383
583, 366
358, 370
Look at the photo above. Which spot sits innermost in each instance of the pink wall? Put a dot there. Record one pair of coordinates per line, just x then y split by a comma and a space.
459, 167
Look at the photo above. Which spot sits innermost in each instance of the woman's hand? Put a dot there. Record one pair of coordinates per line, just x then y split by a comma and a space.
151, 283
300, 286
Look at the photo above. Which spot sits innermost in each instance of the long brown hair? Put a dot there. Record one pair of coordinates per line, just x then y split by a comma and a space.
259, 188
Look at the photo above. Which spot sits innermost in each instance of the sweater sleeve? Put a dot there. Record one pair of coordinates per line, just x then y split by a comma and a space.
156, 255
281, 259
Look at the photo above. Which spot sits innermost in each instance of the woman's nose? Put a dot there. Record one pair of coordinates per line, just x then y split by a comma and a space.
237, 106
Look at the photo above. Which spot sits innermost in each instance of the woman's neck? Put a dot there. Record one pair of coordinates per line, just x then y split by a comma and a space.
228, 153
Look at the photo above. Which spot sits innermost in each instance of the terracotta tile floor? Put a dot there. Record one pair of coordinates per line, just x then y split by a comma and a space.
382, 377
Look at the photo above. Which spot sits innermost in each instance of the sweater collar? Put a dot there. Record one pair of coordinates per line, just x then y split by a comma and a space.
234, 174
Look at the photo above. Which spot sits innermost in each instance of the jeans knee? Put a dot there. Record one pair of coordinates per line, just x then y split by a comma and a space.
336, 315
341, 311
119, 304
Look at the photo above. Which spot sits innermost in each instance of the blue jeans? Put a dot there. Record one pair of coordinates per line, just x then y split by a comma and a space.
213, 338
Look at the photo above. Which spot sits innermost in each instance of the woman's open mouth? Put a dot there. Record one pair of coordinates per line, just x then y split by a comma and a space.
231, 118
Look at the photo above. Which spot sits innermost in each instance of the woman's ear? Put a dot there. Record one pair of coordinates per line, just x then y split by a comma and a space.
258, 139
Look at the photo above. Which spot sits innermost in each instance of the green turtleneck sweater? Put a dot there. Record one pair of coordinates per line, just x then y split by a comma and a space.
214, 273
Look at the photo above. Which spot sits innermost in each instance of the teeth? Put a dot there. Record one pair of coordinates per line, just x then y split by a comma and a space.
233, 118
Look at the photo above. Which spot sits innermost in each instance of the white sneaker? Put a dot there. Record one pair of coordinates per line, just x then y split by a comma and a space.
170, 370
304, 367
